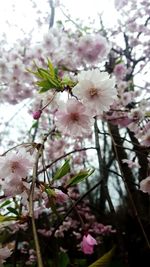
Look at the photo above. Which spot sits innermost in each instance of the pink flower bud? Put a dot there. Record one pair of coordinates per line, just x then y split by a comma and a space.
87, 244
145, 185
37, 114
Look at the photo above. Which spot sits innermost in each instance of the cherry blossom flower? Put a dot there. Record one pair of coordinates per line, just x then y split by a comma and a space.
96, 89
126, 98
87, 244
92, 48
60, 196
120, 4
49, 101
45, 232
120, 71
146, 137
74, 120
17, 164
145, 185
12, 186
5, 252
137, 114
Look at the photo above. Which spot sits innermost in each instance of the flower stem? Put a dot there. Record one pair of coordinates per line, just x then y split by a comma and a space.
31, 208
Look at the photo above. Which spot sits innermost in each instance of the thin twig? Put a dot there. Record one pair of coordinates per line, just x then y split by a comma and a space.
31, 200
74, 205
31, 208
64, 156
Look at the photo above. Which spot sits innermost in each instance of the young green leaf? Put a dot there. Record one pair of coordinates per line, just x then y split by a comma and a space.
12, 210
5, 203
63, 170
79, 177
50, 192
51, 196
45, 85
104, 260
47, 78
51, 69
4, 218
34, 125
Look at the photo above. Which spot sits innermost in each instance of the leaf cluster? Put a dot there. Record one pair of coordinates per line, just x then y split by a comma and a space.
48, 79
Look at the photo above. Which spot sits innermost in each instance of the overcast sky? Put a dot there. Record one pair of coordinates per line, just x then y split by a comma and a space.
17, 14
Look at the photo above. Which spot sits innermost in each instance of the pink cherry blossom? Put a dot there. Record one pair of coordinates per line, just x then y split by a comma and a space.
5, 252
126, 98
74, 120
146, 137
145, 185
87, 244
92, 48
12, 186
60, 196
96, 89
120, 4
16, 164
120, 71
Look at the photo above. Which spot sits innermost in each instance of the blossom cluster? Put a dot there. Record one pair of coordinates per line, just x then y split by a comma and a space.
87, 93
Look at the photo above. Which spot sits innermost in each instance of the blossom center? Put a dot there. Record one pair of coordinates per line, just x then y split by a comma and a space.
93, 92
74, 116
14, 166
148, 138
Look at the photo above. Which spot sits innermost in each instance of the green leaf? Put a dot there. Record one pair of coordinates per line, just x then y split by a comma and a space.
36, 73
62, 171
118, 61
68, 82
4, 232
51, 194
104, 260
131, 86
5, 203
33, 126
47, 78
63, 260
56, 72
4, 218
80, 177
147, 113
51, 69
43, 73
45, 85
81, 262
12, 210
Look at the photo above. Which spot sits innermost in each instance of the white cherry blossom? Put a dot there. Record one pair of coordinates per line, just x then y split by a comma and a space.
96, 90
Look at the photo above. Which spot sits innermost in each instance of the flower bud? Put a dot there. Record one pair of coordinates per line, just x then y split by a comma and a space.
88, 243
37, 114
